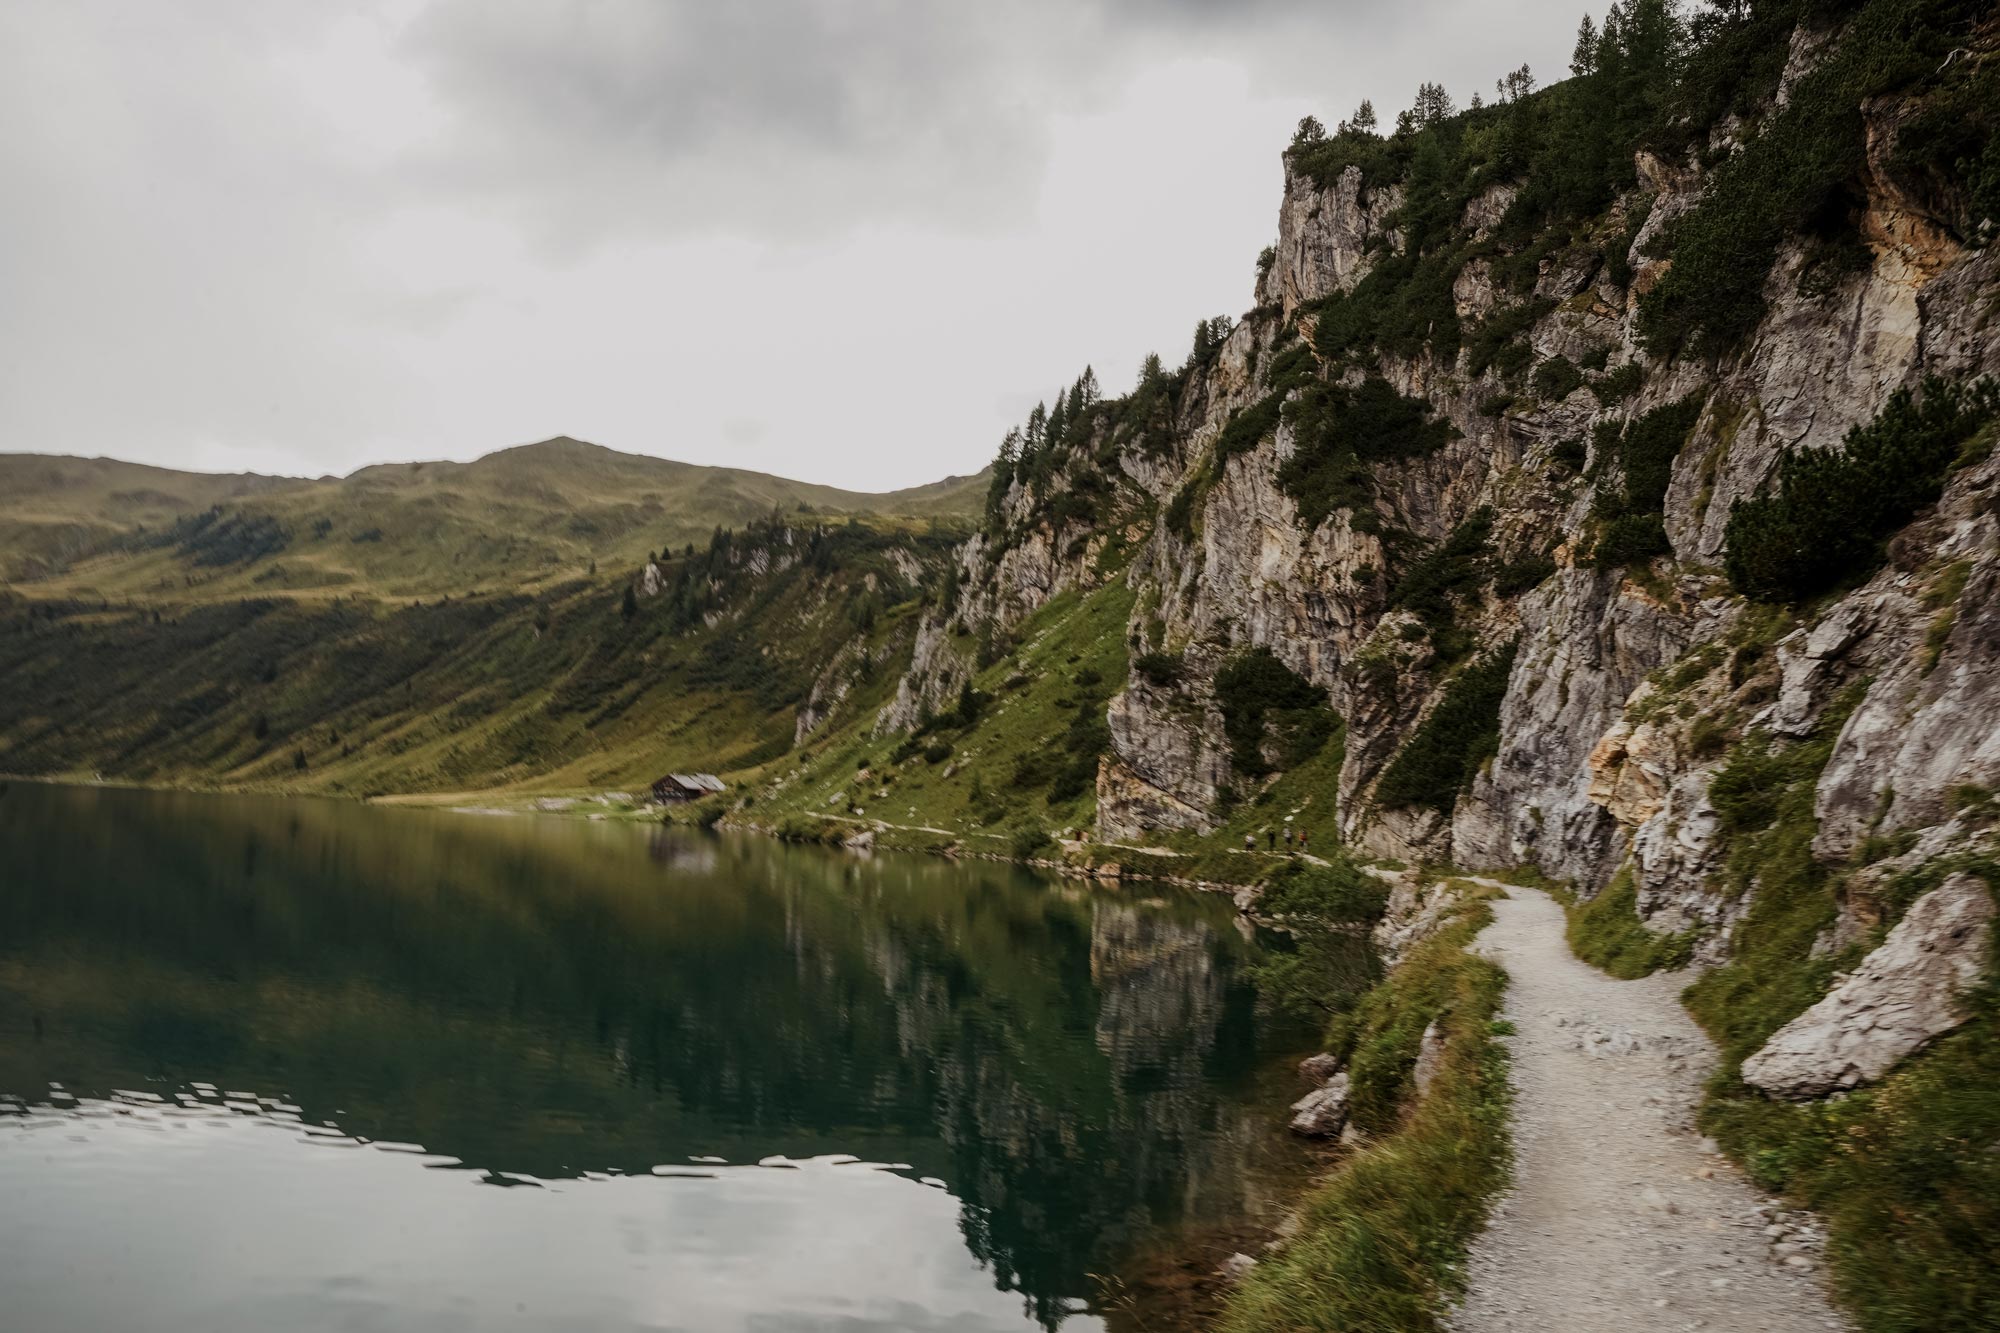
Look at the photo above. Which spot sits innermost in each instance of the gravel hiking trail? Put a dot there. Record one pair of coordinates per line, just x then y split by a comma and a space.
1621, 1216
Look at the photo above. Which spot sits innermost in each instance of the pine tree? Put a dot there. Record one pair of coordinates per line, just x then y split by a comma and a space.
1309, 132
1583, 61
1517, 85
1433, 105
630, 606
1364, 117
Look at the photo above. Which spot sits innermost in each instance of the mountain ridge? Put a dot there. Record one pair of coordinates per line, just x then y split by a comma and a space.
77, 526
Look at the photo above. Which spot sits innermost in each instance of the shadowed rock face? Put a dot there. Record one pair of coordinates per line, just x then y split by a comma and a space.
1904, 994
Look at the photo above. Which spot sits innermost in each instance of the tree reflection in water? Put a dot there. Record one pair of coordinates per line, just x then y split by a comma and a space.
1085, 1071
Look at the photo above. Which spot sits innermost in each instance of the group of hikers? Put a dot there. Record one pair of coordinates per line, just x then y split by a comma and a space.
1271, 838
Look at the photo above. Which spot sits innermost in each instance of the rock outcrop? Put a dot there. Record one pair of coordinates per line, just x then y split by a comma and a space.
1906, 993
1322, 1112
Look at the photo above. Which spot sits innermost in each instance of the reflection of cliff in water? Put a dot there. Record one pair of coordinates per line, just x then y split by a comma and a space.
546, 997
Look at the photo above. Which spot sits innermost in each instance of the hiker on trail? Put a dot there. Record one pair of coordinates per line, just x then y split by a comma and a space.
1288, 838
1272, 835
1302, 842
1249, 842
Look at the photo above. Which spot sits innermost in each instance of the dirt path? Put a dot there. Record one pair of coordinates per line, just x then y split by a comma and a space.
1622, 1217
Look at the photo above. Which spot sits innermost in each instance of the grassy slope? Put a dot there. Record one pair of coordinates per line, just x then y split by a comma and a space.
517, 519
1384, 1236
1035, 701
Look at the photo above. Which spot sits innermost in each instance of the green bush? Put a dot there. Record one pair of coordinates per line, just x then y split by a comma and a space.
1556, 379
1615, 386
1088, 737
1501, 329
1432, 586
1632, 506
1518, 576
1340, 893
1340, 431
1162, 670
1950, 150
1258, 693
1249, 427
1460, 734
1746, 791
1826, 522
1029, 843
1180, 510
1569, 454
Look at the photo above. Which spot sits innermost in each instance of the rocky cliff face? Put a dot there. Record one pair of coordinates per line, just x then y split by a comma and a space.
1632, 684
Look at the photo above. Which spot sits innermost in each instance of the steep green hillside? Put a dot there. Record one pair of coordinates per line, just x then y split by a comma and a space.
584, 684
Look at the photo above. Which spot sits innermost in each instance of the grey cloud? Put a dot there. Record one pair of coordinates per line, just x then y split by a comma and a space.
301, 237
791, 117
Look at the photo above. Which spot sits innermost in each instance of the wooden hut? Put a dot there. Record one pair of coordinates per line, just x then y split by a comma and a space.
675, 788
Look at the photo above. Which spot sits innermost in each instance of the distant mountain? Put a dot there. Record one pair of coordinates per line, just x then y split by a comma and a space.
516, 518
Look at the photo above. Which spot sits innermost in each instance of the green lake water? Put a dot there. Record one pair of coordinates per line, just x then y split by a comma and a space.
294, 1064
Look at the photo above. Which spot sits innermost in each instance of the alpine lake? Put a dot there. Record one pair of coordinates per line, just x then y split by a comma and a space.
273, 1063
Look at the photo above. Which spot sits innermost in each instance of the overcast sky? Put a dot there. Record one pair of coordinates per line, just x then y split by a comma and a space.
842, 240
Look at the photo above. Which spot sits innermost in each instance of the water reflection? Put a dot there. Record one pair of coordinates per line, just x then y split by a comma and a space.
943, 1068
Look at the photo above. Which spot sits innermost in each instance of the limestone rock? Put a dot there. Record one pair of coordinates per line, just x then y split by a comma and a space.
1236, 1267
1904, 994
1321, 1114
1430, 1058
1926, 726
1323, 237
1588, 641
1673, 854
1317, 1069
